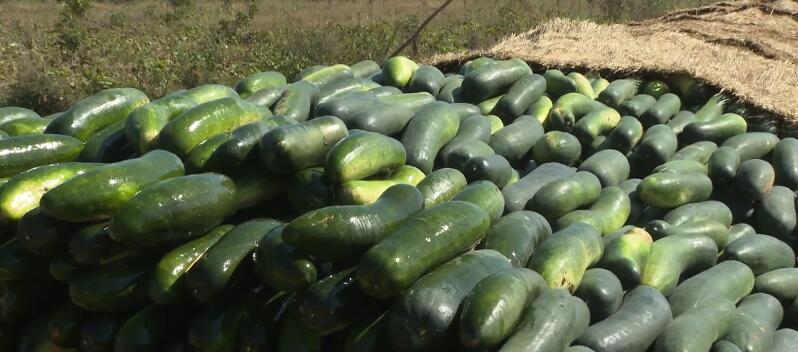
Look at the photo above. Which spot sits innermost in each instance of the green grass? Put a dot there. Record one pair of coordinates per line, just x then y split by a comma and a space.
50, 57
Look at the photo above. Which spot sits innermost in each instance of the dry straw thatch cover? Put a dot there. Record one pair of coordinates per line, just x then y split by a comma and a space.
748, 48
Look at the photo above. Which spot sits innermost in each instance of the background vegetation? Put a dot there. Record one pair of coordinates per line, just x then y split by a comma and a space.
55, 52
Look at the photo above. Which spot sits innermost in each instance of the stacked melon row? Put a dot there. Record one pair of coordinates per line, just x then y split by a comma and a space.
398, 208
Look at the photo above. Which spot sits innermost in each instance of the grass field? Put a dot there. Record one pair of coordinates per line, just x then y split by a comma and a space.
55, 52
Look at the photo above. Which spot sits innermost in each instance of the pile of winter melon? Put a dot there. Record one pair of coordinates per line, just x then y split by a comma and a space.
399, 208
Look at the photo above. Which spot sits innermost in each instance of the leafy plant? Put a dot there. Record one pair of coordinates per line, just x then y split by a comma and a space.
75, 8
